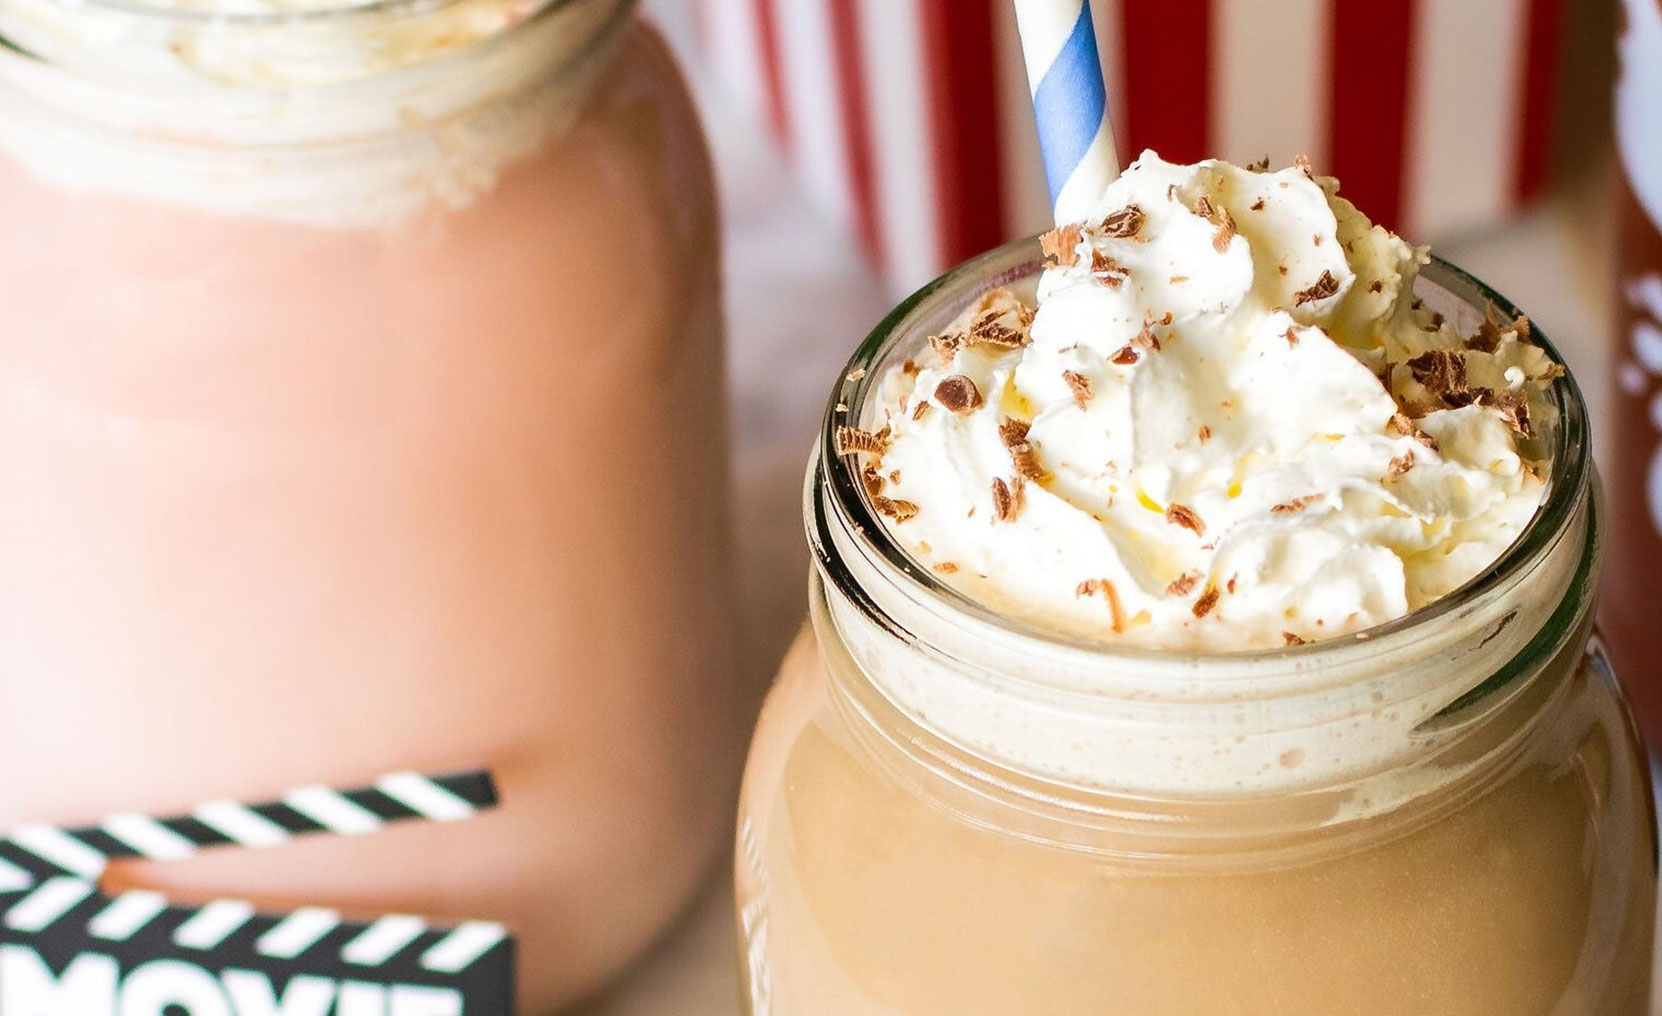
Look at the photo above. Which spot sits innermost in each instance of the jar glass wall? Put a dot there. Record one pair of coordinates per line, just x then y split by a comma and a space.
1448, 813
340, 411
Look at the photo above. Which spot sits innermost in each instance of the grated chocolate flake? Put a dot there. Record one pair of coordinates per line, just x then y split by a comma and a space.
853, 439
1408, 428
1376, 286
910, 367
946, 567
1175, 279
1225, 233
1443, 373
1206, 602
894, 508
921, 410
959, 394
1514, 409
1125, 357
1146, 339
1000, 320
947, 346
1204, 434
1182, 515
1297, 504
1059, 245
1079, 385
1091, 587
1257, 206
1324, 287
1125, 224
1230, 585
1013, 433
1399, 465
1291, 337
1107, 270
1203, 207
872, 479
1183, 584
1303, 163
1008, 498
1288, 638
1259, 166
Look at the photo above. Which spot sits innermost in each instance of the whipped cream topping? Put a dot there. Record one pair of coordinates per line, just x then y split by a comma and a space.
1227, 425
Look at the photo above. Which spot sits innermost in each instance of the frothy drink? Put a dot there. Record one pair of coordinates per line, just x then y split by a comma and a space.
1200, 626
350, 361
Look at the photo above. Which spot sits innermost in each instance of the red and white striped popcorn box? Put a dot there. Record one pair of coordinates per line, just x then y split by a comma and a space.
910, 121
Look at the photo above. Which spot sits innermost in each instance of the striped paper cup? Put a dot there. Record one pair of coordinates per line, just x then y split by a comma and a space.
911, 122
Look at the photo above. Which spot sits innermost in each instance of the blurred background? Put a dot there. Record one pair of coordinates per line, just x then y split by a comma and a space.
864, 145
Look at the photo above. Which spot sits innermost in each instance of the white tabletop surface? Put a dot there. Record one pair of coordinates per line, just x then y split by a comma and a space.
799, 299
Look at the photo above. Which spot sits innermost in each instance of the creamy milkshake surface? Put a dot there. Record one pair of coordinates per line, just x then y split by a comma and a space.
1226, 423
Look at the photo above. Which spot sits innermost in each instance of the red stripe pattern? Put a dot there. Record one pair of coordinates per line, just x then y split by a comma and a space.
856, 122
1540, 78
1368, 128
964, 115
773, 84
1167, 63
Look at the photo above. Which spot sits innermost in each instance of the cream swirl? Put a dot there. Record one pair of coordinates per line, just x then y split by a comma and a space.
1228, 425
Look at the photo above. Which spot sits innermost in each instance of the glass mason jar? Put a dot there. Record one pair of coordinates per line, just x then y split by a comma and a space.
354, 357
948, 812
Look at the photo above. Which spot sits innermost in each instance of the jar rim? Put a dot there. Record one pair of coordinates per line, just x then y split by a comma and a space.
1569, 474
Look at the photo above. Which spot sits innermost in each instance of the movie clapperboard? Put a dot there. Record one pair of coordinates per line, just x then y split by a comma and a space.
69, 949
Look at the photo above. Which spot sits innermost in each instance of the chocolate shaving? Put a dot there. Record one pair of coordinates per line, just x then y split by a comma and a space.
1514, 409
898, 510
1297, 504
1443, 373
921, 410
1124, 224
1230, 585
1007, 498
1324, 287
1292, 336
872, 479
1376, 286
946, 346
910, 367
1014, 435
1399, 465
1183, 584
1107, 270
999, 320
1303, 162
1146, 339
1207, 601
1125, 357
1204, 434
1259, 166
1203, 207
1225, 233
1408, 428
1288, 638
1182, 515
1090, 587
959, 394
1258, 205
946, 567
1058, 245
1079, 385
853, 439
1175, 279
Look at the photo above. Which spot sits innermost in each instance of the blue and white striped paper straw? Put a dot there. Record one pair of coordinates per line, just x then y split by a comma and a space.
1070, 102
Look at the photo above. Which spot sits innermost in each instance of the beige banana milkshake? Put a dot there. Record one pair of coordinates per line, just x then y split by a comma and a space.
353, 356
1200, 625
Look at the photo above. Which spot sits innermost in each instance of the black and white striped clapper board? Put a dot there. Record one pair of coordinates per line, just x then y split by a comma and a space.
69, 949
